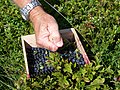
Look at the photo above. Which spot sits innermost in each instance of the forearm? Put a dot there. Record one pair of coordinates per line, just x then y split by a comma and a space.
21, 3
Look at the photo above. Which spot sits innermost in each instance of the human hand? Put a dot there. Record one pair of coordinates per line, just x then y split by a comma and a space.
46, 30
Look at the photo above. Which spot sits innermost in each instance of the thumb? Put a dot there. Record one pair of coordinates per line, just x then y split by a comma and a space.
57, 40
55, 36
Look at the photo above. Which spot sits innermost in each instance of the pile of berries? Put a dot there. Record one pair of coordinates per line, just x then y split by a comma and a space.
74, 57
37, 58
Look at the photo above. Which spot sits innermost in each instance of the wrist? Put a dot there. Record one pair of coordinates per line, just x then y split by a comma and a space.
31, 9
36, 13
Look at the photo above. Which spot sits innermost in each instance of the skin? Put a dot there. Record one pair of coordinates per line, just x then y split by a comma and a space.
45, 27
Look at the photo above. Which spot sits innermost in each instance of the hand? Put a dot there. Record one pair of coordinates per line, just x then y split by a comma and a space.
46, 30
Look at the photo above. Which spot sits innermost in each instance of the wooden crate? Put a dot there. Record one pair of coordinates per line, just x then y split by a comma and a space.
29, 41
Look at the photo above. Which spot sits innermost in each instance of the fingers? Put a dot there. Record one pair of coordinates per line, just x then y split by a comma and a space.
42, 40
54, 34
45, 43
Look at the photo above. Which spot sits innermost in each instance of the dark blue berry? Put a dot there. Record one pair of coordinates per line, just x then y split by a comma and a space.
70, 59
77, 61
73, 60
82, 59
82, 63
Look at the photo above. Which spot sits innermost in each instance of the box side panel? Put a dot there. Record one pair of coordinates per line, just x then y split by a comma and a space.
80, 47
25, 56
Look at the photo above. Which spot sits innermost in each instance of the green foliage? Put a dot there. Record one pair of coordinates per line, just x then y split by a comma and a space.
12, 26
99, 23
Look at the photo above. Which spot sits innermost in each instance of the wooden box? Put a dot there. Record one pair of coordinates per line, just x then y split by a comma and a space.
29, 41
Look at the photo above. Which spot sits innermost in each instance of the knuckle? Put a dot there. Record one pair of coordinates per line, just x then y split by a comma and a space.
57, 38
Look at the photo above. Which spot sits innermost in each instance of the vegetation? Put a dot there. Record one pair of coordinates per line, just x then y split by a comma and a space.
98, 21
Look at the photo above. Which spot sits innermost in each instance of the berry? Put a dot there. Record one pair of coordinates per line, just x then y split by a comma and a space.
77, 61
69, 59
82, 63
73, 60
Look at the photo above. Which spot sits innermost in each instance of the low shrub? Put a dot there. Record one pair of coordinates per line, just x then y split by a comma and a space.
98, 21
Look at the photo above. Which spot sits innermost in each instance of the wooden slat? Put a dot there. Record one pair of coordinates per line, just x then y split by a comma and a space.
25, 56
80, 47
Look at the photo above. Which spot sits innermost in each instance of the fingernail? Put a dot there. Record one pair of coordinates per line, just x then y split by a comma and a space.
59, 44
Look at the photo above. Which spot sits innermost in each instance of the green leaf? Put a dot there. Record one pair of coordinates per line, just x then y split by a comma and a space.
57, 74
98, 81
74, 76
58, 67
93, 72
35, 84
28, 88
109, 70
83, 71
67, 68
118, 72
74, 65
98, 66
86, 79
65, 81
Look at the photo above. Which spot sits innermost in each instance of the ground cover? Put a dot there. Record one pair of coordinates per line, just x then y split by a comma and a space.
99, 23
